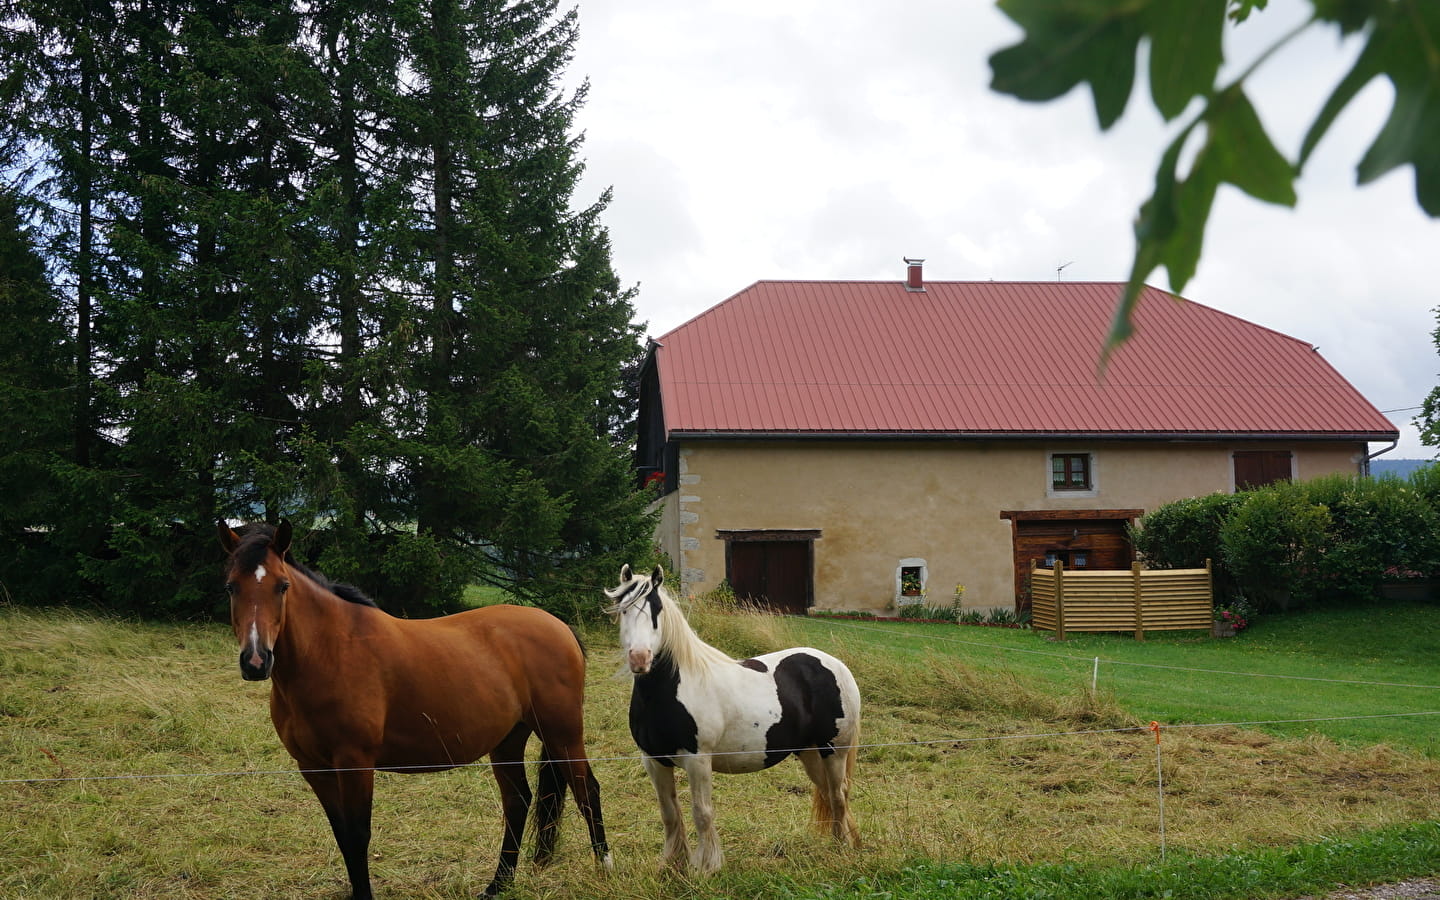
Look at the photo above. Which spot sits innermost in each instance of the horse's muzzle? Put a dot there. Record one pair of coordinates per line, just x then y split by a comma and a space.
640, 661
255, 663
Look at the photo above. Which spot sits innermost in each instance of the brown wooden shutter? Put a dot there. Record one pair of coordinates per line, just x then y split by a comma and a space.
1256, 468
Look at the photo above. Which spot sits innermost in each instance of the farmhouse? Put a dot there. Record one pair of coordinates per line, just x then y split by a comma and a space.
844, 444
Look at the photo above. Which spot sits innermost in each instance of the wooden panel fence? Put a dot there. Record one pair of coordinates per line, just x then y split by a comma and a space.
1136, 600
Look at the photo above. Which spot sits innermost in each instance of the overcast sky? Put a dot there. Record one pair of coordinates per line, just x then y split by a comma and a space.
827, 139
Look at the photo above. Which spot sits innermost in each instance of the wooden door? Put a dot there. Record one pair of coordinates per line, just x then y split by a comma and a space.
774, 574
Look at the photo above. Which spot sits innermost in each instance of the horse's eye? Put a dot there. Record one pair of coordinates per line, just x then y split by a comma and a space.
282, 587
231, 587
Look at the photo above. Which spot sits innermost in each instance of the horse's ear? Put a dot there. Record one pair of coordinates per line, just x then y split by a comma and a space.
625, 573
228, 538
280, 543
657, 577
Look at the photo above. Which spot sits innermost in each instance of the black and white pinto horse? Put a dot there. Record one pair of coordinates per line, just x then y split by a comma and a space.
694, 706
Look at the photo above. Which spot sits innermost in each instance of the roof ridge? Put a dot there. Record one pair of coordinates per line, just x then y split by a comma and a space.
1233, 316
706, 312
901, 281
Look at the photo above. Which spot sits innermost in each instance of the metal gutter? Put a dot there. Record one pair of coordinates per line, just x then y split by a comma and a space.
1367, 437
1383, 450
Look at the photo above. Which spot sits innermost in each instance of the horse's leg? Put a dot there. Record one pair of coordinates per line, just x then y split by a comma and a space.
508, 763
662, 777
550, 788
587, 797
346, 797
708, 854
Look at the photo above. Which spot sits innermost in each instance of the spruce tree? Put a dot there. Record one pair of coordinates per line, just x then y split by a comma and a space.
210, 307
525, 326
35, 382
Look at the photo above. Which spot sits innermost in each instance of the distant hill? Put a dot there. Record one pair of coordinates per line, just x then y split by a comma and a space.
1400, 468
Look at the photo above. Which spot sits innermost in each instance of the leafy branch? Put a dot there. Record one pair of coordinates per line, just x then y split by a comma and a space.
1069, 42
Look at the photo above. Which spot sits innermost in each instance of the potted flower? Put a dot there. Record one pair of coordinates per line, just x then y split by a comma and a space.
1230, 620
910, 583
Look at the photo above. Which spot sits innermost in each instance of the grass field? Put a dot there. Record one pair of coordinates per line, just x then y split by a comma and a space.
135, 763
1323, 664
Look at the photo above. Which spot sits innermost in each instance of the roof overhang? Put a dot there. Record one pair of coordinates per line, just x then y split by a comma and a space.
1171, 436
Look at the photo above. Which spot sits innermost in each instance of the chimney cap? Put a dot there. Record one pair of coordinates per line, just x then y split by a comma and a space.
914, 276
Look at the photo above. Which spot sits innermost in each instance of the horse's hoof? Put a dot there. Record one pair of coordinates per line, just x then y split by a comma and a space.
496, 887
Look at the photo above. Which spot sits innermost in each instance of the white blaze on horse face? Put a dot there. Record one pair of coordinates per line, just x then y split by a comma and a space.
260, 574
638, 637
252, 640
253, 645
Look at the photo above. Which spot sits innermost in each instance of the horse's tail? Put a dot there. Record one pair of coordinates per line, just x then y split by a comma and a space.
823, 799
584, 651
549, 803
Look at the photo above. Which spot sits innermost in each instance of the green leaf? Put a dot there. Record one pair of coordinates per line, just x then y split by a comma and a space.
1170, 230
1365, 68
1194, 199
1412, 132
1350, 15
1185, 51
1095, 41
1154, 227
1243, 152
1241, 9
1068, 42
1404, 46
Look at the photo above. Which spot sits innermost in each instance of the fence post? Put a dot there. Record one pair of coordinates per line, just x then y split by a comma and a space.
1139, 601
1059, 600
1210, 586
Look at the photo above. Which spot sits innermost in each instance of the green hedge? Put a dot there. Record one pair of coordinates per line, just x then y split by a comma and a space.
1335, 538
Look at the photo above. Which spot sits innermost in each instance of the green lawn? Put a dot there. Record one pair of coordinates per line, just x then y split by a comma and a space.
1387, 855
1325, 664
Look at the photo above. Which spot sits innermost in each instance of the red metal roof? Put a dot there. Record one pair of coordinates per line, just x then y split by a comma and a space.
1001, 358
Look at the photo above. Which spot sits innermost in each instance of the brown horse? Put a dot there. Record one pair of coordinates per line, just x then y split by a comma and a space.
356, 690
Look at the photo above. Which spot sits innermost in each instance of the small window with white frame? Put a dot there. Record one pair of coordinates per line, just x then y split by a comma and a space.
911, 576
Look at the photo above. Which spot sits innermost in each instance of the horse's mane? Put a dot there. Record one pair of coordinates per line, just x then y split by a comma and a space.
690, 654
255, 544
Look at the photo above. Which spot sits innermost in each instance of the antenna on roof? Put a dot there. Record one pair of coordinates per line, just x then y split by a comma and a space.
1061, 267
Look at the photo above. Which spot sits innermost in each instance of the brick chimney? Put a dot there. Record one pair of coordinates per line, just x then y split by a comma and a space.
914, 276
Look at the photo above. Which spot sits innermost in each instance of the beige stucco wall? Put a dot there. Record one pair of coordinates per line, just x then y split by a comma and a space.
878, 503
